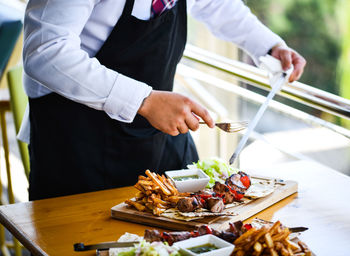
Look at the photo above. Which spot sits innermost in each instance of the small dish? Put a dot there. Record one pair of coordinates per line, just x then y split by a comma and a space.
189, 185
224, 248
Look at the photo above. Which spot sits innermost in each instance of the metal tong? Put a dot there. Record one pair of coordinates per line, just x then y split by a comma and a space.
278, 77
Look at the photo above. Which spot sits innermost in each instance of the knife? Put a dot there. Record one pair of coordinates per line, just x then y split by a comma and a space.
297, 229
79, 247
259, 222
277, 80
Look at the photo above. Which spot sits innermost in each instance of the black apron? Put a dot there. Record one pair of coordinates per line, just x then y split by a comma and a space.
76, 149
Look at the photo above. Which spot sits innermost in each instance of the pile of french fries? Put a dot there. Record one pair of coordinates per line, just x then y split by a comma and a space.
272, 240
156, 194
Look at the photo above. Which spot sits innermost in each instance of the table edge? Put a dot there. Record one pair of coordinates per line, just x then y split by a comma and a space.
18, 234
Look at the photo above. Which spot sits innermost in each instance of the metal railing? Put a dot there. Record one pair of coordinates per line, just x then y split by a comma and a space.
297, 91
219, 84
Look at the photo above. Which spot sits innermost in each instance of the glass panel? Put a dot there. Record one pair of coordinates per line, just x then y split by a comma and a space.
284, 133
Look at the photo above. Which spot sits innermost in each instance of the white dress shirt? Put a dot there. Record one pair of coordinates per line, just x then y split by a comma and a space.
61, 38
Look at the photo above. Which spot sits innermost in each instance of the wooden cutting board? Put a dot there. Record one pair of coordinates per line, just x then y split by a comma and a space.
284, 189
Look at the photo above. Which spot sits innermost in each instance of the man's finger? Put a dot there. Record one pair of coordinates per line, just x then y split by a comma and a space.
192, 122
202, 113
173, 132
286, 59
299, 64
182, 128
298, 70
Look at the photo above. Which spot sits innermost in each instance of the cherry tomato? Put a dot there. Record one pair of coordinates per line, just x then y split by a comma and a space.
245, 181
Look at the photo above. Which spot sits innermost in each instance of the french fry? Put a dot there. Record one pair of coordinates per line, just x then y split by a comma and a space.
150, 206
291, 244
148, 192
285, 252
273, 252
281, 236
139, 195
240, 253
137, 205
173, 199
244, 236
145, 182
268, 240
170, 186
159, 201
274, 227
304, 248
146, 187
155, 187
141, 177
158, 182
258, 235
139, 187
258, 247
290, 251
161, 206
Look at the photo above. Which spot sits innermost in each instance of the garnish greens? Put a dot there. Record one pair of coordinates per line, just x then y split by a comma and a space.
145, 248
216, 169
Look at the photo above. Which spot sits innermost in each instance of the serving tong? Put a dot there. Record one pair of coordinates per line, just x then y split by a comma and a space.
80, 247
278, 77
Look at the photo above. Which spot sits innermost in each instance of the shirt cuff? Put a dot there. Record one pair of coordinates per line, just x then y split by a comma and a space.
261, 42
125, 98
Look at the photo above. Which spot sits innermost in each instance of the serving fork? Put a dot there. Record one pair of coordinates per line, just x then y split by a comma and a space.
231, 126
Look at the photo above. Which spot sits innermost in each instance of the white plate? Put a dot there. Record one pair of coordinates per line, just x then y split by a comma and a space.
192, 185
225, 248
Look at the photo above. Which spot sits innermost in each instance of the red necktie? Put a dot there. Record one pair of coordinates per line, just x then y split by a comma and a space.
159, 6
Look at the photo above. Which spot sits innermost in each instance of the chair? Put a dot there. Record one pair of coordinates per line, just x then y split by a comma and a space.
19, 101
10, 30
9, 33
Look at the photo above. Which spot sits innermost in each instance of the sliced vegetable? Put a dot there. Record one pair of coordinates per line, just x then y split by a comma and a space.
216, 169
145, 248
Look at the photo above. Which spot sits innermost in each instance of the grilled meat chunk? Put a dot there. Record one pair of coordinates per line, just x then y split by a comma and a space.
173, 237
170, 237
219, 188
228, 236
188, 204
152, 235
236, 228
224, 191
203, 230
239, 181
215, 204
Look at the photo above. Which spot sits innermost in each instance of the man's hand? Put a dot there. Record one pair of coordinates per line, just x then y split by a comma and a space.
173, 113
288, 56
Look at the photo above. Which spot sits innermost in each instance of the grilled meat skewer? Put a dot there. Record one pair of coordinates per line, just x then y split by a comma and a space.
236, 229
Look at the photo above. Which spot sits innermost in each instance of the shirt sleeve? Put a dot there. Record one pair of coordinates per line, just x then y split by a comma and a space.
52, 56
232, 20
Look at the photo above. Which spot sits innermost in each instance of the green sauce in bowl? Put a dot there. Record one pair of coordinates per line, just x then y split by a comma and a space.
182, 178
203, 248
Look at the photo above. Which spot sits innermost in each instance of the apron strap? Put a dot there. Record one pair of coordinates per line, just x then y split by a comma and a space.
129, 5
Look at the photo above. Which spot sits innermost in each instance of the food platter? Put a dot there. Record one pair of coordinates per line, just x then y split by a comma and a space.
213, 211
241, 211
258, 237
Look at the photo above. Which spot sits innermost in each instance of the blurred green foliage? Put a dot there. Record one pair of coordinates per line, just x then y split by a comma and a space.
312, 28
344, 62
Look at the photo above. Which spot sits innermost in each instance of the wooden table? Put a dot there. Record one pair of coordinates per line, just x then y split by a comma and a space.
52, 226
